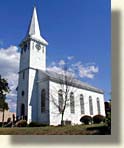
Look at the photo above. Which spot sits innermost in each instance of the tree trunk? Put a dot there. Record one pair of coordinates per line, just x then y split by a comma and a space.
62, 122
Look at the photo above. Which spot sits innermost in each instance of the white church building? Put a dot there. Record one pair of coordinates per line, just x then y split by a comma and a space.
40, 91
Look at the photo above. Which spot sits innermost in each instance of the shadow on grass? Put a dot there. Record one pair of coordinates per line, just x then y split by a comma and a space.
100, 130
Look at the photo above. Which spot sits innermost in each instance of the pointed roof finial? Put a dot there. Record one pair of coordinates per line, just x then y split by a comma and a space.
34, 25
34, 29
34, 3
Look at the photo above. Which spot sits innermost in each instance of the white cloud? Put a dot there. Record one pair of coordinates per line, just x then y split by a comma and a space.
59, 67
61, 63
70, 57
77, 69
9, 65
53, 63
88, 71
56, 66
55, 69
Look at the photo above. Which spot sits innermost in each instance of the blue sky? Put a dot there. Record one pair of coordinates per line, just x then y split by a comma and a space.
78, 28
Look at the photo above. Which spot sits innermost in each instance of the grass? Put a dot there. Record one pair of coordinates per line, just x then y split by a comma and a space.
95, 129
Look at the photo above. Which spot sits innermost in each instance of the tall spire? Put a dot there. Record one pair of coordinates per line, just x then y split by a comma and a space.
34, 29
34, 25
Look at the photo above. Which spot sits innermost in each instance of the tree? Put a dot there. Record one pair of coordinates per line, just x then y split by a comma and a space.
108, 108
4, 89
3, 106
65, 96
108, 113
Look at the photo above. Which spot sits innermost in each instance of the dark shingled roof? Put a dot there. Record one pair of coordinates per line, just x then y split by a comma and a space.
59, 78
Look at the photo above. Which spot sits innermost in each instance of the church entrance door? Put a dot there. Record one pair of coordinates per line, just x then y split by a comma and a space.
22, 110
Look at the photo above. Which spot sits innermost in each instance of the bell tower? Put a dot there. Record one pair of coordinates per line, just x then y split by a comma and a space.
32, 59
33, 46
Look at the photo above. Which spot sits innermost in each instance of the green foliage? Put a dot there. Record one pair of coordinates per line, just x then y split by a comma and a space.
108, 115
21, 123
3, 104
86, 119
108, 120
4, 88
36, 124
98, 119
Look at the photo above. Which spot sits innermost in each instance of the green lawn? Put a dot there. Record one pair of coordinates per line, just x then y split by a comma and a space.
95, 129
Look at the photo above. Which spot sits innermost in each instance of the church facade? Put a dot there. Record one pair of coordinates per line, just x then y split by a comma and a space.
40, 92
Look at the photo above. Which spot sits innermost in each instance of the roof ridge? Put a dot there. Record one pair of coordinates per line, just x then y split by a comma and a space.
77, 83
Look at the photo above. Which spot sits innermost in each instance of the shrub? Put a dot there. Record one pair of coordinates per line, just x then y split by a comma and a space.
21, 123
98, 119
8, 120
36, 124
108, 120
8, 124
86, 119
0, 124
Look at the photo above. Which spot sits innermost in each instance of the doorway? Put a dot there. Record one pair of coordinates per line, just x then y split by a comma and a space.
23, 110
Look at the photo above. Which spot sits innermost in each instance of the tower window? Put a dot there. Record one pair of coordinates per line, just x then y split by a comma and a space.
33, 45
21, 51
23, 93
25, 47
43, 49
43, 100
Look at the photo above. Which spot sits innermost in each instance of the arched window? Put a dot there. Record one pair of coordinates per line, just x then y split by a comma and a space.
43, 100
72, 103
60, 99
23, 93
82, 104
25, 47
22, 51
98, 105
90, 105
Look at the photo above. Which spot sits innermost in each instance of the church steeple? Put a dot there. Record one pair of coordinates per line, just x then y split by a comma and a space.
34, 29
34, 25
33, 46
32, 60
